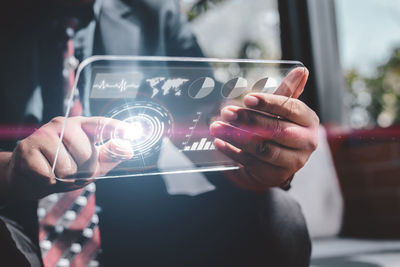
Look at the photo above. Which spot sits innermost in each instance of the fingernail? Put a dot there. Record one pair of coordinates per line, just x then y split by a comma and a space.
229, 115
215, 128
251, 101
299, 75
220, 144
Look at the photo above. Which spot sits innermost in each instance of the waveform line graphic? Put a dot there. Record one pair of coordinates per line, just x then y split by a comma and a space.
121, 85
116, 85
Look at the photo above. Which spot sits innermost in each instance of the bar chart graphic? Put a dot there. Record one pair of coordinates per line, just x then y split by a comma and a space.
203, 144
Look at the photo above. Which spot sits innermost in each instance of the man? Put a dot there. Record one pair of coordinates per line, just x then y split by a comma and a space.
242, 222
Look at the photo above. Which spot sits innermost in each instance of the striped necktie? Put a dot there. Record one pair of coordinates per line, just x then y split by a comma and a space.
68, 224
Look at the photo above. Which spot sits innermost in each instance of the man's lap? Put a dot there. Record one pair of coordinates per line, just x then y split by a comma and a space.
223, 227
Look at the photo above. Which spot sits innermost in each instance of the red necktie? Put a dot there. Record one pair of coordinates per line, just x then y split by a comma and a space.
68, 223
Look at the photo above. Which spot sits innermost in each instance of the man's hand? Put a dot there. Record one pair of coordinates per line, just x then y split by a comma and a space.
272, 138
29, 172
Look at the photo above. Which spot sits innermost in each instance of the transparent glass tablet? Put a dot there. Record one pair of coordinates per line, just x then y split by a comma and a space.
151, 115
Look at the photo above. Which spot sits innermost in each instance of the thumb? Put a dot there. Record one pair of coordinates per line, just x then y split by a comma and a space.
293, 84
100, 127
115, 150
113, 153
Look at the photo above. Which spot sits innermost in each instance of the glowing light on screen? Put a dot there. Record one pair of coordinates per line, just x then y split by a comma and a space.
134, 131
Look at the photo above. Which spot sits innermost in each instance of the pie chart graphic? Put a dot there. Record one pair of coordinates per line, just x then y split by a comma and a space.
201, 88
266, 85
234, 88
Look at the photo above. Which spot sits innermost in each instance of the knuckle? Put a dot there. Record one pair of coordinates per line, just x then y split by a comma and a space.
313, 144
290, 132
74, 119
274, 154
21, 157
245, 116
22, 147
57, 120
299, 163
277, 130
86, 155
48, 180
251, 117
27, 164
292, 108
268, 151
271, 104
316, 118
43, 132
313, 141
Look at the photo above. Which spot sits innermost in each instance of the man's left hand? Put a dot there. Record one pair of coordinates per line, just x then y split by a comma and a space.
271, 138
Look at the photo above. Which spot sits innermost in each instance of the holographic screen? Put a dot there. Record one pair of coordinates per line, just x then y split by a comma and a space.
155, 112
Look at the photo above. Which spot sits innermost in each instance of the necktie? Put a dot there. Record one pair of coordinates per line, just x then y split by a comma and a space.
68, 223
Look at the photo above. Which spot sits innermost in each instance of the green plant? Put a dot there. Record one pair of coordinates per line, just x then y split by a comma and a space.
378, 96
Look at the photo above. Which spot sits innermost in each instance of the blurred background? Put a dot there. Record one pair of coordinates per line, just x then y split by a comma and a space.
350, 188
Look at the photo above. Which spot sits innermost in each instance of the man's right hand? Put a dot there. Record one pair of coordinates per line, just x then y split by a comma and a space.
28, 170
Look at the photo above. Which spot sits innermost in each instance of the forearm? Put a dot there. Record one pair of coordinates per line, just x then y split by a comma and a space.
4, 183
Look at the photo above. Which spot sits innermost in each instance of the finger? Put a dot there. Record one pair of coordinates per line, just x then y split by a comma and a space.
80, 140
102, 127
47, 141
39, 180
35, 165
75, 140
262, 172
79, 144
302, 84
80, 137
283, 132
113, 153
92, 126
293, 84
258, 147
291, 109
65, 166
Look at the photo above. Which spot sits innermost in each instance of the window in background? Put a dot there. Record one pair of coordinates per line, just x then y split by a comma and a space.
369, 41
236, 28
367, 156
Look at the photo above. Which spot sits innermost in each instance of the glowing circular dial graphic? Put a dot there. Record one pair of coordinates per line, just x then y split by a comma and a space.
142, 125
